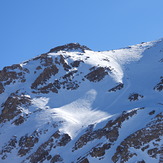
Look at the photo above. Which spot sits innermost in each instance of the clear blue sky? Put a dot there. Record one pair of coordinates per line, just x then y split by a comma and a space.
31, 27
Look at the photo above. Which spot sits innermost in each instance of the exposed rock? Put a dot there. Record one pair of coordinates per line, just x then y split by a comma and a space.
152, 112
66, 82
118, 87
159, 86
8, 75
11, 106
42, 153
135, 97
64, 63
99, 151
13, 67
69, 75
70, 47
19, 121
70, 85
151, 132
76, 63
46, 89
44, 76
141, 161
38, 68
56, 158
45, 59
98, 74
153, 152
8, 147
1, 88
65, 138
85, 160
27, 142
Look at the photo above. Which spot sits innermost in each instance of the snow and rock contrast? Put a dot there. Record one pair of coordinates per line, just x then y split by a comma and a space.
75, 105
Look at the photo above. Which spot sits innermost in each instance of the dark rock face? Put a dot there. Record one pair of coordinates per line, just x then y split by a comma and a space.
99, 151
70, 47
159, 86
56, 158
8, 147
64, 63
42, 84
26, 143
45, 60
9, 75
42, 153
118, 87
65, 82
76, 63
85, 160
44, 76
19, 121
11, 106
135, 97
1, 88
152, 132
97, 74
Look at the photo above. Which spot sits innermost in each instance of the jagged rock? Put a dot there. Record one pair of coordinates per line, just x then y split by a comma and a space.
38, 68
65, 82
11, 106
152, 132
8, 75
69, 75
42, 153
141, 161
70, 47
26, 143
1, 88
45, 60
135, 97
44, 76
19, 121
56, 158
71, 85
99, 151
8, 147
76, 63
152, 112
64, 63
83, 161
159, 86
118, 87
98, 74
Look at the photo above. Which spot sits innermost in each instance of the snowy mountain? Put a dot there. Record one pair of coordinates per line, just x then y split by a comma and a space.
75, 105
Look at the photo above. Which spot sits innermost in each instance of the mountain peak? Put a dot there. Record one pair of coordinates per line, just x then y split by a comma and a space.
70, 47
88, 106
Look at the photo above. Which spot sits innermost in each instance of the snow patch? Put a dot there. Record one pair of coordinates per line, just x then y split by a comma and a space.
78, 114
40, 102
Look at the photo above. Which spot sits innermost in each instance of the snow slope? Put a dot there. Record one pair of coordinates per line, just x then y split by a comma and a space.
73, 104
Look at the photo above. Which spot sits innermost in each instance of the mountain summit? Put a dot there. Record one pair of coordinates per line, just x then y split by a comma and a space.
74, 105
70, 47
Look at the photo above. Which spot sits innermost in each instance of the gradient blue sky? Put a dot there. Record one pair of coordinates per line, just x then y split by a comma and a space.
31, 27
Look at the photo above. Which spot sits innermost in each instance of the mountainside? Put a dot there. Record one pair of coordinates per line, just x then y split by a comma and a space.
75, 105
